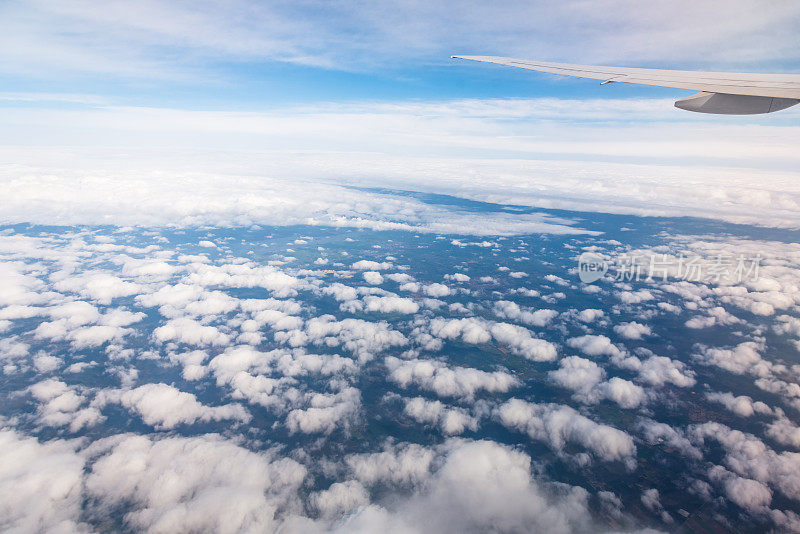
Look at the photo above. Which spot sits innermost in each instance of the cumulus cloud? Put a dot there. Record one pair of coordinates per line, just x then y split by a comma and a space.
325, 412
655, 432
740, 405
558, 425
436, 290
373, 277
784, 432
586, 379
750, 494
192, 363
632, 330
163, 406
479, 486
590, 315
445, 381
452, 421
243, 275
98, 286
660, 370
749, 458
202, 483
190, 332
362, 338
306, 374
63, 405
522, 342
406, 464
390, 305
476, 331
369, 265
340, 292
40, 484
592, 345
741, 359
469, 330
510, 310
340, 498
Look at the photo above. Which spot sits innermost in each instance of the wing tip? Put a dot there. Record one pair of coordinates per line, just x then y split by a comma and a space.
472, 58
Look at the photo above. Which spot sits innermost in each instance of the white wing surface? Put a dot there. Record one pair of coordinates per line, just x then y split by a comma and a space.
720, 92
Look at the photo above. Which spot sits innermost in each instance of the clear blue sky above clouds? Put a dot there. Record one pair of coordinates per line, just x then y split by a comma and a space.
245, 54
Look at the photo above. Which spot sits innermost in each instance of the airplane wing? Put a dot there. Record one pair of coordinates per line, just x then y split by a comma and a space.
720, 92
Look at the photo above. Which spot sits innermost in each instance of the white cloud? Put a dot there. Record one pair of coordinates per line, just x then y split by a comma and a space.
522, 342
556, 425
40, 484
469, 330
751, 495
373, 277
447, 381
476, 486
177, 295
213, 484
635, 297
192, 363
660, 370
586, 379
165, 407
511, 310
340, 498
656, 433
436, 290
650, 499
243, 275
369, 265
146, 269
750, 458
61, 405
577, 374
98, 286
452, 421
594, 346
340, 292
407, 464
45, 363
741, 405
623, 392
784, 432
590, 315
273, 187
632, 330
326, 412
390, 305
362, 338
477, 331
191, 332
743, 358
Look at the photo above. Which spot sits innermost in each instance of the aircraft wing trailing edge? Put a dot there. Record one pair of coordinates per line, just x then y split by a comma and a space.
719, 92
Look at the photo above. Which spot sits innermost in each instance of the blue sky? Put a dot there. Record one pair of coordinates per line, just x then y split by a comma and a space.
253, 54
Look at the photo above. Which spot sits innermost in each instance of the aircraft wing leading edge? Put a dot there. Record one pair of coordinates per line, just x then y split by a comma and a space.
719, 92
